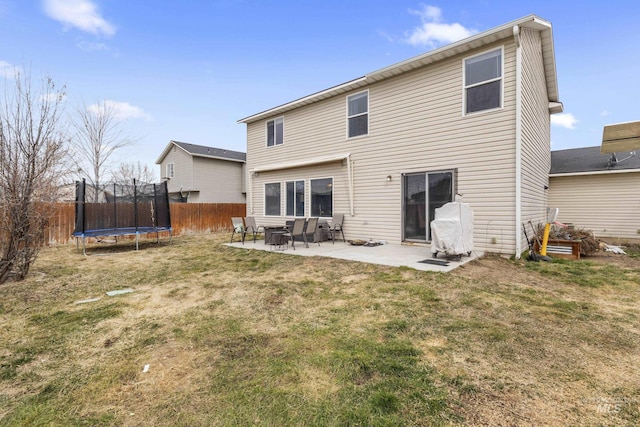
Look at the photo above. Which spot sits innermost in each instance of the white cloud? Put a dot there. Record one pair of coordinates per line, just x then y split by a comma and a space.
120, 110
9, 71
565, 120
433, 31
605, 113
82, 14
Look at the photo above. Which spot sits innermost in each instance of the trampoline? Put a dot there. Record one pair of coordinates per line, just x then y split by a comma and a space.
121, 210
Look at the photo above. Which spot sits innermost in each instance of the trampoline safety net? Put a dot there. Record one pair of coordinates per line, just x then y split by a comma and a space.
121, 209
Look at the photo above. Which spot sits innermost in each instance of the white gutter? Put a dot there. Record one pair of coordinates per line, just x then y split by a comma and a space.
609, 172
516, 36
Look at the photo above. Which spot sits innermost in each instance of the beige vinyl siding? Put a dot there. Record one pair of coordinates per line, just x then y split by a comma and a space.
218, 181
415, 125
536, 154
608, 204
333, 170
183, 170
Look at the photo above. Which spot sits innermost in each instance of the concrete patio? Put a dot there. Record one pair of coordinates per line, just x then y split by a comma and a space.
388, 254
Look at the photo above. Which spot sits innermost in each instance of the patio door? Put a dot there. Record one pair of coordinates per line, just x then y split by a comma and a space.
423, 193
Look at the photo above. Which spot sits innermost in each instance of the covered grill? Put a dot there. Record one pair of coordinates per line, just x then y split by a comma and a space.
452, 230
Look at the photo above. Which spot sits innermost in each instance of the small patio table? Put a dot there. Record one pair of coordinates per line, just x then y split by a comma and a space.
275, 236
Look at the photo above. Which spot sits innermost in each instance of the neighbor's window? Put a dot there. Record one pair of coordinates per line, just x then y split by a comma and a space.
358, 114
295, 198
483, 81
272, 199
322, 197
275, 130
169, 170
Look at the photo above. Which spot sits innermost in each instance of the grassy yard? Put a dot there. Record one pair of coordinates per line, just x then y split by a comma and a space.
241, 337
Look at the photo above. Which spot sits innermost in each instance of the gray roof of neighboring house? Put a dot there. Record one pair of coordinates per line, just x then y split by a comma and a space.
589, 159
204, 151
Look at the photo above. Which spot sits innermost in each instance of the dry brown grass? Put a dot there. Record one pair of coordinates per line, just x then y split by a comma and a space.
241, 337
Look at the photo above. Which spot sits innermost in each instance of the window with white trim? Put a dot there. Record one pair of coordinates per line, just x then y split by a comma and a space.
358, 114
275, 132
483, 81
272, 199
322, 197
295, 198
169, 171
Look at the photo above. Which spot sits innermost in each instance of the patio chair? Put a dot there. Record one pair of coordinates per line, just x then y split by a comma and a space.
251, 227
238, 228
335, 227
312, 228
296, 231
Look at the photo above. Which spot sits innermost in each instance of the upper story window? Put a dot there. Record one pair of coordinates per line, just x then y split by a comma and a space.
358, 114
483, 81
169, 172
295, 198
275, 132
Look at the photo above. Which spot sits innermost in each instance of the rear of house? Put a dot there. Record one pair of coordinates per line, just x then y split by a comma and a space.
388, 148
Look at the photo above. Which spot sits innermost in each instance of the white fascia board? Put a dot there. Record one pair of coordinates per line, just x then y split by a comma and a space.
609, 172
300, 163
314, 97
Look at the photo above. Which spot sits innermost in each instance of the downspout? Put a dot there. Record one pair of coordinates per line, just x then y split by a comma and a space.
350, 176
516, 37
251, 192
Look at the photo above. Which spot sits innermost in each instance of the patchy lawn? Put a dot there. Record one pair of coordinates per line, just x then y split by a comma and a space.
242, 337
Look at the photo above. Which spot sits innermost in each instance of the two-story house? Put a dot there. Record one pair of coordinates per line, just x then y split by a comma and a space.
201, 174
388, 148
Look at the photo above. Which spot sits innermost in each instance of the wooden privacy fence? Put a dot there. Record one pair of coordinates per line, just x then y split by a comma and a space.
186, 218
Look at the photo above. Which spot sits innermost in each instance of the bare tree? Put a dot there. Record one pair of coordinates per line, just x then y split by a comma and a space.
128, 171
32, 144
98, 136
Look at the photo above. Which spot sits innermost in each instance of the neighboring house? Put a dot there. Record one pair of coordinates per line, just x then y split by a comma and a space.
387, 148
200, 174
597, 192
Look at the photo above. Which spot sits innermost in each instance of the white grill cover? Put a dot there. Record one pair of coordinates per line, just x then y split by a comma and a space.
452, 229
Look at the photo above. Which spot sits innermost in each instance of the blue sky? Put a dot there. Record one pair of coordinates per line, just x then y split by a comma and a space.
188, 70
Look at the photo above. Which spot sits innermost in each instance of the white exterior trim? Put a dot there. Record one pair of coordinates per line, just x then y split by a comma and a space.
609, 172
357, 115
266, 132
465, 87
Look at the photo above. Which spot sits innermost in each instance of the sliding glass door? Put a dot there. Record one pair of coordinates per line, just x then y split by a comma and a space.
423, 193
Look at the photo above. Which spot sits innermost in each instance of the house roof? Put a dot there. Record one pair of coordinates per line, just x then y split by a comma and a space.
462, 46
589, 160
204, 151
